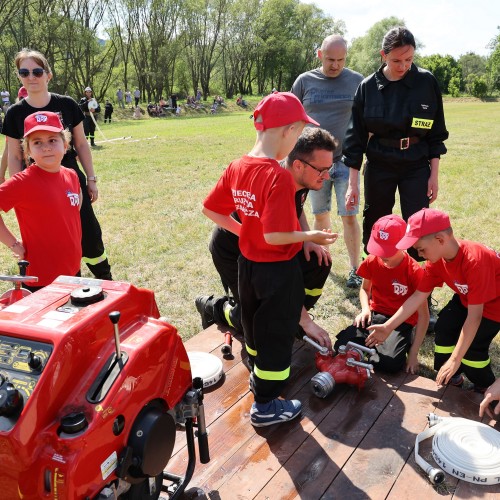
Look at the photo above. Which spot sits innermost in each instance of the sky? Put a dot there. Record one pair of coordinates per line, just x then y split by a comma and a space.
453, 27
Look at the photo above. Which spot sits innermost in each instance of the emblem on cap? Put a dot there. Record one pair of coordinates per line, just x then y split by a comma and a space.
383, 235
41, 118
408, 228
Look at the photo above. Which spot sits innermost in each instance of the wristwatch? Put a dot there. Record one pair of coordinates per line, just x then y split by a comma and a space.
92, 178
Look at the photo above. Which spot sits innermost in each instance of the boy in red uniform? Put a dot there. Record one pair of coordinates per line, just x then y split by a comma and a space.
270, 281
390, 276
46, 198
471, 320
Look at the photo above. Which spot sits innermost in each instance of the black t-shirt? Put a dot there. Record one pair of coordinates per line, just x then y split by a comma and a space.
67, 109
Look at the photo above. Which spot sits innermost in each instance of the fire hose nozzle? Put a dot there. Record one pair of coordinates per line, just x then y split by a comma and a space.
436, 476
433, 419
227, 347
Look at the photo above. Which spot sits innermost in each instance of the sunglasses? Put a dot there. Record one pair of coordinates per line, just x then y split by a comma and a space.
37, 72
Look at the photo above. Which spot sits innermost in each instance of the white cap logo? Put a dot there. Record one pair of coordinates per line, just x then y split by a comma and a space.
383, 235
41, 118
408, 228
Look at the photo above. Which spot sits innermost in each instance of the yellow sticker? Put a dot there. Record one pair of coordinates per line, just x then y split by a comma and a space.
422, 123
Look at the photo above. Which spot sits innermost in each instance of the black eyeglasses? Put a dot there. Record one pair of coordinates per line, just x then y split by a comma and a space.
321, 171
37, 72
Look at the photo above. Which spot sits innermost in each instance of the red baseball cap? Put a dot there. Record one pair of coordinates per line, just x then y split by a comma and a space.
386, 232
22, 93
424, 222
279, 109
42, 120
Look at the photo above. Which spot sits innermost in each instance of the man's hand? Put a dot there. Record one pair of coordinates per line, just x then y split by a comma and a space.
351, 197
323, 254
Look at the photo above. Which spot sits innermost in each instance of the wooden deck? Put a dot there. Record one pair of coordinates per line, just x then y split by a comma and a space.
351, 445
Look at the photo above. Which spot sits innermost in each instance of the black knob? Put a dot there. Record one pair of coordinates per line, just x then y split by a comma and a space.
23, 264
73, 423
11, 400
35, 362
114, 317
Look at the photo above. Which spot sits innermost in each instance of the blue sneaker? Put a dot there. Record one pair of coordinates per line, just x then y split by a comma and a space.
276, 411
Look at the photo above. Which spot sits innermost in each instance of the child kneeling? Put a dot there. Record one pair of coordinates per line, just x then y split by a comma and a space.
390, 276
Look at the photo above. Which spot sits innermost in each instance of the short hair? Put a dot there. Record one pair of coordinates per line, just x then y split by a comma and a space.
397, 37
448, 231
311, 139
38, 57
333, 39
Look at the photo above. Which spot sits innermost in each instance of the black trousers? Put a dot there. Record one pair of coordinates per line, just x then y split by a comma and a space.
476, 363
107, 116
89, 127
381, 184
391, 355
93, 251
225, 252
271, 295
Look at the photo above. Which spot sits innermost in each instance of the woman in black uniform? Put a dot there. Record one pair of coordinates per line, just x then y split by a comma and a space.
35, 73
398, 122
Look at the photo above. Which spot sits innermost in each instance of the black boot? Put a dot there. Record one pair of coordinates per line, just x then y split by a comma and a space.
210, 309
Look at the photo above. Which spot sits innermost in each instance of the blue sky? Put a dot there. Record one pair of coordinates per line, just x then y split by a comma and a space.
452, 27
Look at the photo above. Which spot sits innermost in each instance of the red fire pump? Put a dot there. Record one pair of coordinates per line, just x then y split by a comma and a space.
88, 410
347, 367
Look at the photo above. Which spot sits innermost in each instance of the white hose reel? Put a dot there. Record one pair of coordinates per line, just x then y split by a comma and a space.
465, 449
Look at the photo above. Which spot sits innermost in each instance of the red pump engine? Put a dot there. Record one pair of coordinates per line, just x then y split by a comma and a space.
347, 367
88, 410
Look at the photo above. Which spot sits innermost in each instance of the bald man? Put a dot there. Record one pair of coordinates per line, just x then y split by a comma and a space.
327, 95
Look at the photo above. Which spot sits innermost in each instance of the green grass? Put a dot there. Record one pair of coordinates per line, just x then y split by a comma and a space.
151, 188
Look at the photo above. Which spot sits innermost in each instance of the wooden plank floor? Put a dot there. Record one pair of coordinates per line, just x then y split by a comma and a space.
351, 445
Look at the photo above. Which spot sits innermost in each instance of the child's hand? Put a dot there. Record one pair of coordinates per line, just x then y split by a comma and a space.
18, 250
378, 334
447, 371
363, 319
325, 237
412, 364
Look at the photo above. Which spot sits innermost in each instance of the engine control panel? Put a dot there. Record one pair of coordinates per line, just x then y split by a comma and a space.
22, 362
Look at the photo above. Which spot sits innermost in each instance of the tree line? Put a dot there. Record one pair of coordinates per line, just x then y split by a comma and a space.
225, 47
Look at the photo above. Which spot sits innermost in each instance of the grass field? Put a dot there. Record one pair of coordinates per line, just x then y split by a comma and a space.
151, 186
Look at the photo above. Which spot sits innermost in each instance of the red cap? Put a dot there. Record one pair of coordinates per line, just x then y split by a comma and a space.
279, 109
386, 232
426, 221
22, 93
42, 120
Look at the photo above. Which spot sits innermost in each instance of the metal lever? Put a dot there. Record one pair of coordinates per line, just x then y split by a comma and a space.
115, 317
320, 348
353, 362
368, 350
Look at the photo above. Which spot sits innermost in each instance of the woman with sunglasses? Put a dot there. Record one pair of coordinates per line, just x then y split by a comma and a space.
35, 74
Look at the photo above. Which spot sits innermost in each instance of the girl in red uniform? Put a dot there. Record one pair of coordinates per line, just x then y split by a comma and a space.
46, 198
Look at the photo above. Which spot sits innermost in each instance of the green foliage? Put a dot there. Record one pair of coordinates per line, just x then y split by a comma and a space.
454, 86
444, 68
477, 86
493, 65
364, 53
